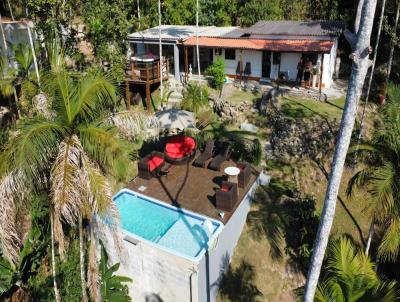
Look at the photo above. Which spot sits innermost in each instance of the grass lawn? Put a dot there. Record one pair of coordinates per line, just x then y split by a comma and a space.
310, 108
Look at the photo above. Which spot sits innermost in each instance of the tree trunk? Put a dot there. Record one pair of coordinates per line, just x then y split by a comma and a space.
358, 15
390, 62
360, 44
82, 261
33, 52
370, 234
197, 39
374, 60
160, 50
53, 260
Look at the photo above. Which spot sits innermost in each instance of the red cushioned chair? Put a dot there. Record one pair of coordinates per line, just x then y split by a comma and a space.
149, 165
180, 149
227, 196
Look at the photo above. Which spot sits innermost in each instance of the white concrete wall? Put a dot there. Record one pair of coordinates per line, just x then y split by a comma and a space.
155, 273
329, 65
252, 56
211, 270
289, 62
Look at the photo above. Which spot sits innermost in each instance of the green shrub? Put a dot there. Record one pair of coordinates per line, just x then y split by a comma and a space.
194, 98
217, 71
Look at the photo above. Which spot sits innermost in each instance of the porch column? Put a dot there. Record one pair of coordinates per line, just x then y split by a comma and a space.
176, 62
194, 63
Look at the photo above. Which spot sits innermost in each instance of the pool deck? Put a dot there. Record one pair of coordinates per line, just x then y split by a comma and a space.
191, 188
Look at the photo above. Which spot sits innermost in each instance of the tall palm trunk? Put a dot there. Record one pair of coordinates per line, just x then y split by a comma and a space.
82, 261
374, 60
360, 44
390, 62
35, 63
369, 239
160, 49
197, 38
53, 258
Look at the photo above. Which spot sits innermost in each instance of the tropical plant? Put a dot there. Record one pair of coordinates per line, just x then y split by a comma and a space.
359, 42
217, 72
112, 287
67, 152
351, 276
380, 178
15, 277
195, 97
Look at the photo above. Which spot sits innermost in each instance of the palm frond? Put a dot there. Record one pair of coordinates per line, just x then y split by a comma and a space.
359, 179
382, 184
103, 146
31, 149
97, 190
66, 187
135, 124
95, 91
23, 56
390, 244
13, 189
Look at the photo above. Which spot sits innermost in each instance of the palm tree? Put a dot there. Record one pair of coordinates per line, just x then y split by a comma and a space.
68, 150
360, 43
380, 177
351, 276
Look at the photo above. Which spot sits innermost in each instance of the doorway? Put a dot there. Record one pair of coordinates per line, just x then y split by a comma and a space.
266, 64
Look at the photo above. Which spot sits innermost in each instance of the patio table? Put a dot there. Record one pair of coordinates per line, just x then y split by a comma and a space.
232, 173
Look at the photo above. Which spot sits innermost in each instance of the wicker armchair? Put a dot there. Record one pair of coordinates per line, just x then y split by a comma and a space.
149, 165
227, 196
244, 175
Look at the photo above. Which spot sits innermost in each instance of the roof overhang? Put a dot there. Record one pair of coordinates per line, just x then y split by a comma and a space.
304, 45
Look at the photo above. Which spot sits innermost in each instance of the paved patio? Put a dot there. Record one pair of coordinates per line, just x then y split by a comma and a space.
191, 188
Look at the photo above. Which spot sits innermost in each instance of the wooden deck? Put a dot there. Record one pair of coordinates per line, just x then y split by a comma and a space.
191, 188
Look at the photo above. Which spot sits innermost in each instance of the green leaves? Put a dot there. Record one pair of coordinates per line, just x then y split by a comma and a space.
217, 71
351, 277
112, 287
35, 143
194, 97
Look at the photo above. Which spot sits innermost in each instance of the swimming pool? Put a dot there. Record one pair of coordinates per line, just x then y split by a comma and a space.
175, 230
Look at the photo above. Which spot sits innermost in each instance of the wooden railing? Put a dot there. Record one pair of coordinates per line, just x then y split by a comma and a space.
148, 71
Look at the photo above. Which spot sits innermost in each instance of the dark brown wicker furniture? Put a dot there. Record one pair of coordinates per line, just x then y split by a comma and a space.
245, 174
223, 155
149, 165
205, 155
180, 149
227, 196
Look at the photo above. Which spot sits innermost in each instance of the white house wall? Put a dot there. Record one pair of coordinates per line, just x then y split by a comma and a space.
329, 66
252, 56
289, 61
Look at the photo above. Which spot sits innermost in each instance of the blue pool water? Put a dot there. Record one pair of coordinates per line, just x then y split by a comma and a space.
178, 231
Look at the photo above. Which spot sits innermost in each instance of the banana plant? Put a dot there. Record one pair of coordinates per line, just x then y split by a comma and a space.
112, 287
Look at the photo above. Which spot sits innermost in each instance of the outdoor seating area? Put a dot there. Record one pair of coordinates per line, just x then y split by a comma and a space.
210, 183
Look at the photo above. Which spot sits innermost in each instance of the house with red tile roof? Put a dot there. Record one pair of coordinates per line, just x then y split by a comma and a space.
266, 51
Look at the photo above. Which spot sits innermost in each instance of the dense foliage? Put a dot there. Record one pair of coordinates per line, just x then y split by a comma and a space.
217, 72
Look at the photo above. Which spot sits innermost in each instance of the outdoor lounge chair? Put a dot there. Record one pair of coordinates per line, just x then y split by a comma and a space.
223, 155
205, 155
227, 196
247, 70
149, 165
244, 175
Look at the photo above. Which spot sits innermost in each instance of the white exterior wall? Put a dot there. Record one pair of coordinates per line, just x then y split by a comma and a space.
289, 62
155, 273
252, 56
329, 65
